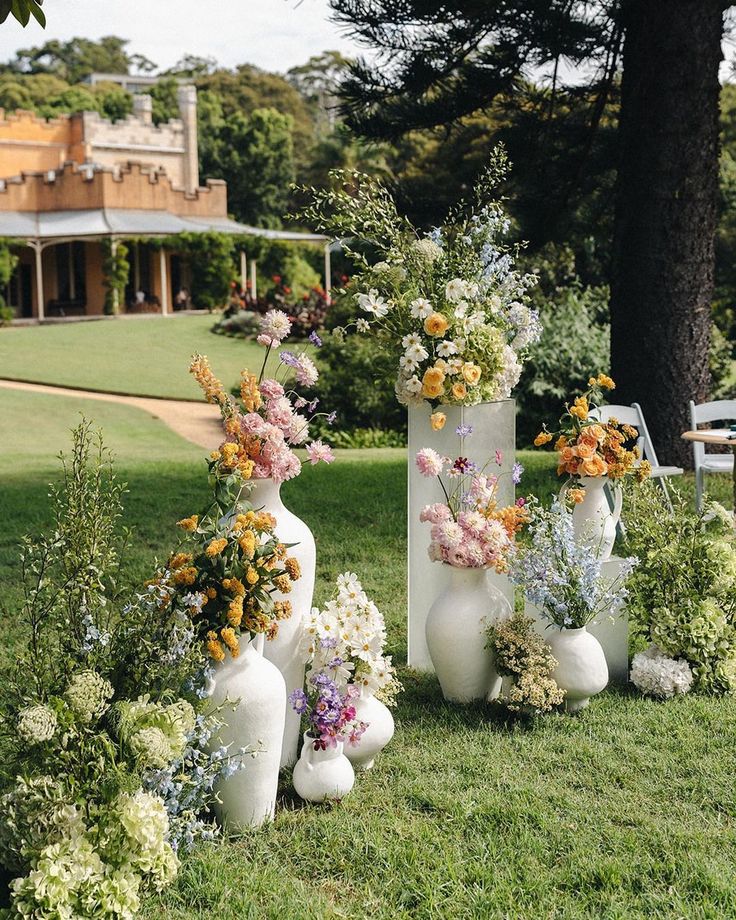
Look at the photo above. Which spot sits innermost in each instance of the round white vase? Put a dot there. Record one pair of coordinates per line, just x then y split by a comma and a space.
284, 650
322, 775
593, 520
374, 739
456, 635
581, 665
252, 694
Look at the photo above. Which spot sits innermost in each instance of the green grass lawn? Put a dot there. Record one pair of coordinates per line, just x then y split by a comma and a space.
143, 356
624, 812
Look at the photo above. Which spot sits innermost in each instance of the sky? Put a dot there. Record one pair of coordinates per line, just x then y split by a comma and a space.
272, 34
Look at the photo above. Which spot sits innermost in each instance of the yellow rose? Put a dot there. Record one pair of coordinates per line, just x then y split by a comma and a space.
459, 390
471, 373
435, 324
437, 421
544, 437
580, 408
433, 383
596, 466
606, 382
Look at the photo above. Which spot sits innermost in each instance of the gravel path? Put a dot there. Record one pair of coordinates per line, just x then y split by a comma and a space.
197, 422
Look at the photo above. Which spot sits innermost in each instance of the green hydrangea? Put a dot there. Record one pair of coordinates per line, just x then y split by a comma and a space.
34, 814
88, 694
151, 747
145, 823
37, 724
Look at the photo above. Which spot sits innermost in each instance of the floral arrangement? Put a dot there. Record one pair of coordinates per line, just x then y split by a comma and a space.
520, 654
106, 776
683, 594
563, 576
329, 711
228, 577
655, 674
587, 447
450, 304
345, 641
470, 529
262, 431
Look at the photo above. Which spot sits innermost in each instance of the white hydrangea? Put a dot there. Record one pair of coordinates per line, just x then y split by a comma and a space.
654, 674
146, 824
88, 694
37, 724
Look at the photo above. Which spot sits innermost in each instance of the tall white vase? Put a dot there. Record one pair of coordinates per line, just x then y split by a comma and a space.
494, 428
581, 665
593, 520
256, 722
456, 635
374, 739
283, 651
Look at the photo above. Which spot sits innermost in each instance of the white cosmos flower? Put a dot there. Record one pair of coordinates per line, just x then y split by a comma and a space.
373, 303
446, 348
417, 353
472, 290
461, 309
362, 325
456, 290
413, 386
454, 365
420, 308
407, 364
413, 338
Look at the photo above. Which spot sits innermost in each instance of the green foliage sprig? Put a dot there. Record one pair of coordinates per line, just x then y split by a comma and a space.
115, 271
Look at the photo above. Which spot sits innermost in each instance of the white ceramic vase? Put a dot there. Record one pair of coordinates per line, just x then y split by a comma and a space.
284, 651
593, 520
581, 665
322, 775
254, 697
374, 739
456, 635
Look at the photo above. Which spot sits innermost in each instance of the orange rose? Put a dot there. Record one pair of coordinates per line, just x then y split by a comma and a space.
433, 383
435, 324
584, 451
596, 466
544, 437
567, 455
471, 373
576, 495
595, 431
437, 421
459, 390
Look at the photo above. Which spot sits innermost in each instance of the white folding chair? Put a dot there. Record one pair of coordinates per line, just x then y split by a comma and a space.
720, 410
632, 415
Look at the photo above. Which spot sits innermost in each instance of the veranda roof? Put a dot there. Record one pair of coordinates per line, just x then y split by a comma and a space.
63, 225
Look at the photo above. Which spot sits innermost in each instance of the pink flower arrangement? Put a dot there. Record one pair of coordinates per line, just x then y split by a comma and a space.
469, 529
261, 431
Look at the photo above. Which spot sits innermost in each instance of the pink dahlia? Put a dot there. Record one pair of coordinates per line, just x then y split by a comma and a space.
317, 451
429, 462
435, 514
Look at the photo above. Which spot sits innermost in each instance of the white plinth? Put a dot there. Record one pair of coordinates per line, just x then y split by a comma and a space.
613, 634
494, 428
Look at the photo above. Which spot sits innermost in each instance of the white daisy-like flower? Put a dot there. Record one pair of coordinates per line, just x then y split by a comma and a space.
407, 364
461, 309
420, 308
414, 386
373, 303
446, 348
454, 365
362, 325
413, 338
417, 353
472, 290
456, 290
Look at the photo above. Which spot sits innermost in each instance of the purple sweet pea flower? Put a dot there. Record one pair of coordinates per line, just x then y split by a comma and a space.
516, 472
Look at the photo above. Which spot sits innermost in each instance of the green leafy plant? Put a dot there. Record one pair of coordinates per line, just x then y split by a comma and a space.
22, 10
683, 592
115, 271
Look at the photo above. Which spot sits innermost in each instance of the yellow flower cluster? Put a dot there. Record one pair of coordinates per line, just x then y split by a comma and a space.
189, 524
202, 372
249, 392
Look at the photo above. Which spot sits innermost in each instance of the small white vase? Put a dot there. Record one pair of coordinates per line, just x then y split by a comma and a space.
322, 775
593, 520
284, 651
254, 697
374, 739
581, 665
456, 635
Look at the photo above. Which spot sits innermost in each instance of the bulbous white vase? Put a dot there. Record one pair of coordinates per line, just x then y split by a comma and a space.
456, 635
256, 722
283, 651
322, 775
374, 739
593, 520
581, 665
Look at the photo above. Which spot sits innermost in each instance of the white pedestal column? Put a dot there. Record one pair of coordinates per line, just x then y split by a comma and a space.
494, 428
612, 633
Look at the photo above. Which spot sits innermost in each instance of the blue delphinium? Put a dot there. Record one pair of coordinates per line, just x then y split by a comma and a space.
563, 576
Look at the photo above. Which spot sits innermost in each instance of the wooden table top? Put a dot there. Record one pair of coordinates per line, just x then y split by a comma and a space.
712, 436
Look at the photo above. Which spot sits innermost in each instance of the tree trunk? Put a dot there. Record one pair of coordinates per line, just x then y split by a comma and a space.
662, 278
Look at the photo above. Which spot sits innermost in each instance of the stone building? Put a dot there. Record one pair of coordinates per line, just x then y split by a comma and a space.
69, 183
